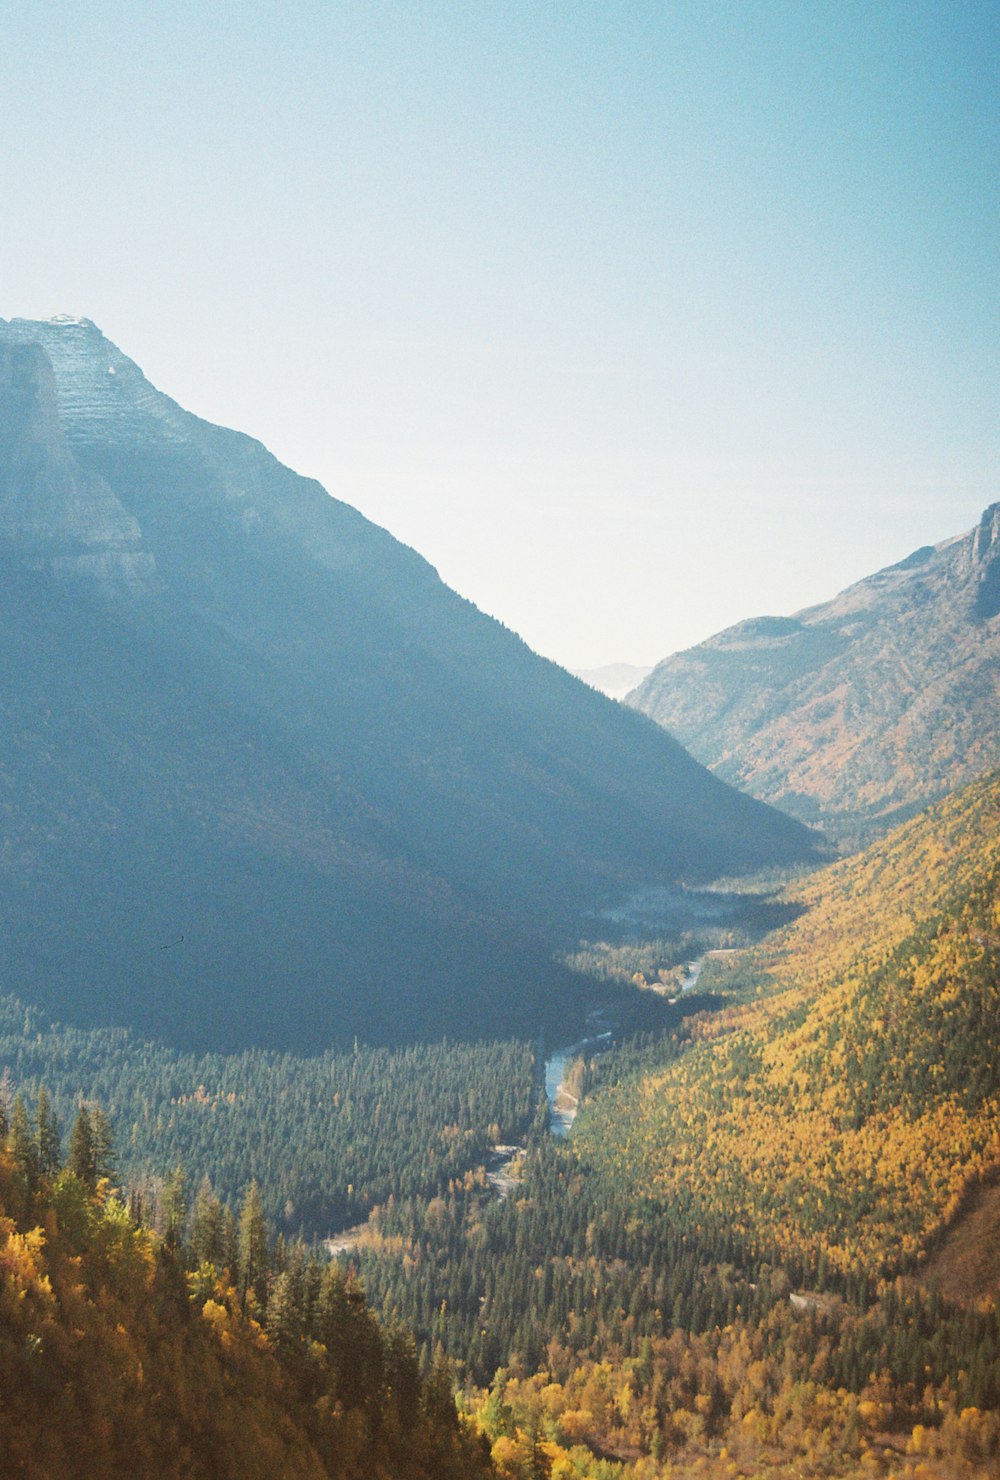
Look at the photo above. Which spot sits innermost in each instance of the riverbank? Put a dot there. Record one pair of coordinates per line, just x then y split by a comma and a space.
563, 1104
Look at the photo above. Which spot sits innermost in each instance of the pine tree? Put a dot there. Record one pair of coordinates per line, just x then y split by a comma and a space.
439, 1402
252, 1252
81, 1148
539, 1464
48, 1136
5, 1099
206, 1227
283, 1320
23, 1144
103, 1144
173, 1207
230, 1242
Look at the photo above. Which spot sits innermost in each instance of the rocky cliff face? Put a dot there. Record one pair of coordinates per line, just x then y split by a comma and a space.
54, 515
985, 565
856, 712
102, 395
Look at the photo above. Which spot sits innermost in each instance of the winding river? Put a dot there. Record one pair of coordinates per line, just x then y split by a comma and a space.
563, 1105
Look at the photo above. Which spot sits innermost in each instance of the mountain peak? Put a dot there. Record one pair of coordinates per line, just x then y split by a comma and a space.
53, 514
859, 709
102, 394
346, 800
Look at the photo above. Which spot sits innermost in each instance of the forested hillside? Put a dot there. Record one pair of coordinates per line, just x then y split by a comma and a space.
222, 1358
719, 1273
859, 711
724, 1270
842, 1118
265, 779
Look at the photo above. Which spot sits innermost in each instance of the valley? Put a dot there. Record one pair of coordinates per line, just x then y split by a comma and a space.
500, 741
634, 1228
584, 1236
330, 777
375, 990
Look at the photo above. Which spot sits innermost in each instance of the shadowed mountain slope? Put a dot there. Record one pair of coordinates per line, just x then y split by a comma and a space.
264, 778
857, 712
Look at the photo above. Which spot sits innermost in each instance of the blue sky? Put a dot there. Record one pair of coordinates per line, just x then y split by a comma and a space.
634, 319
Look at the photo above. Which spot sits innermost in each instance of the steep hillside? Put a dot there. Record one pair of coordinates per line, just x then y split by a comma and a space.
843, 1119
264, 778
857, 712
118, 1360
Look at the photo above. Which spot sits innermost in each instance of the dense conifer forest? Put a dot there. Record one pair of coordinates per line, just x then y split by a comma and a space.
324, 1137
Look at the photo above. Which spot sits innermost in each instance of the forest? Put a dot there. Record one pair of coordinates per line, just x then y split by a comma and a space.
732, 1261
325, 1137
740, 1262
840, 1111
209, 1350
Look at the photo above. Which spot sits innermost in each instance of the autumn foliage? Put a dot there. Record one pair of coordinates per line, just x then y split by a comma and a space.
116, 1361
844, 1114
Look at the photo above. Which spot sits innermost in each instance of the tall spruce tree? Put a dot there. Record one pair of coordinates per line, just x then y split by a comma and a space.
173, 1207
5, 1100
23, 1145
253, 1246
81, 1148
207, 1243
103, 1143
48, 1135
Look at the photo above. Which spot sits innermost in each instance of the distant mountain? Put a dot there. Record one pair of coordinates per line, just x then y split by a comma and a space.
264, 779
614, 679
857, 712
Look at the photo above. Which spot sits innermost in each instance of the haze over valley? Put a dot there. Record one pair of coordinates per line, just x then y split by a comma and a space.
332, 778
270, 785
434, 1043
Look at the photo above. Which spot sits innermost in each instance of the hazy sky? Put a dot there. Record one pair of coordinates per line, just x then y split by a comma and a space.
634, 318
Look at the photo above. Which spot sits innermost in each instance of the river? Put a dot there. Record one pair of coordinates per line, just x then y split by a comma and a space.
563, 1105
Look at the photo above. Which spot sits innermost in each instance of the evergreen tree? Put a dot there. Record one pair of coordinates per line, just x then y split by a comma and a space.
283, 1319
206, 1245
253, 1245
81, 1148
48, 1136
439, 1402
103, 1139
23, 1145
230, 1242
173, 1207
5, 1099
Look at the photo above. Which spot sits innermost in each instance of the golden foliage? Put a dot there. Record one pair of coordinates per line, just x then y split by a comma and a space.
843, 1116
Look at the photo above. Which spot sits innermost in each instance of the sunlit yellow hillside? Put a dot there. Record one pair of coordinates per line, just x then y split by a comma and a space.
115, 1360
844, 1115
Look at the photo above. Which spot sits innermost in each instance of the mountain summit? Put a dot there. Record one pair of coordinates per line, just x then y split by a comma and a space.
265, 778
858, 712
